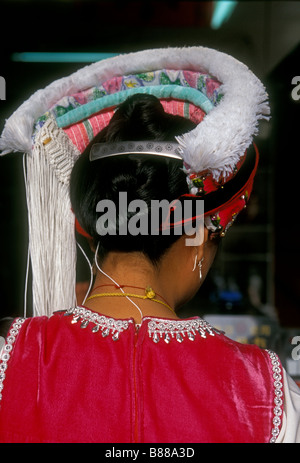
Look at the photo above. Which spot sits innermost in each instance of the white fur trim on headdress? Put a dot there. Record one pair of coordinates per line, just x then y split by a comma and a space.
215, 144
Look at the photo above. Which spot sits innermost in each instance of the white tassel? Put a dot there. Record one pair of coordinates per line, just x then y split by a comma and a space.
52, 244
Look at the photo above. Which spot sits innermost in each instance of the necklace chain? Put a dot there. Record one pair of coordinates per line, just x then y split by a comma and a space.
117, 286
149, 294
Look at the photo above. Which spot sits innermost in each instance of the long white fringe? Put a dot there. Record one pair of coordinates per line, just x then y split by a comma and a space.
52, 244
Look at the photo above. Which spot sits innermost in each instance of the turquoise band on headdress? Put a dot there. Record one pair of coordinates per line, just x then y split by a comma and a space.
166, 91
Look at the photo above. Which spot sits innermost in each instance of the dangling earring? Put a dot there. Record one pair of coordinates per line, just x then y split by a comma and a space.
195, 262
200, 267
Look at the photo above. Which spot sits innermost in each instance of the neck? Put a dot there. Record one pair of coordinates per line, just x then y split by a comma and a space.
130, 273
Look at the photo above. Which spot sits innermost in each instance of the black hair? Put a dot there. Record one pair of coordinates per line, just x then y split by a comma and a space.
140, 117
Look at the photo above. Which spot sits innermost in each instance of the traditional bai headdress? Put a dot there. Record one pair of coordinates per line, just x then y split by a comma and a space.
55, 125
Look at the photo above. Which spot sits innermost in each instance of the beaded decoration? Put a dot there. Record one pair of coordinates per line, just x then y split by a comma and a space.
278, 385
179, 329
107, 326
157, 328
8, 347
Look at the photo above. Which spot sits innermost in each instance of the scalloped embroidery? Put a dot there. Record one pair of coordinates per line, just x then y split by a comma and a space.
158, 328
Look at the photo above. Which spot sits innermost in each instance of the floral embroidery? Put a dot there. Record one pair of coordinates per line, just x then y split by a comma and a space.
202, 82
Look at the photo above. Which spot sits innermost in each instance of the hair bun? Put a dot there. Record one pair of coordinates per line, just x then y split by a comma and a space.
141, 177
141, 106
140, 117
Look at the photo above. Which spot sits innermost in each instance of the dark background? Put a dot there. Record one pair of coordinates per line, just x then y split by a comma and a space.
259, 260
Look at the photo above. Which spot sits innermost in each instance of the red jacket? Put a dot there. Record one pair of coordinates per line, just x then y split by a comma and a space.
89, 378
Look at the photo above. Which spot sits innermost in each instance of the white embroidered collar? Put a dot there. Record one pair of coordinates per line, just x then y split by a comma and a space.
158, 328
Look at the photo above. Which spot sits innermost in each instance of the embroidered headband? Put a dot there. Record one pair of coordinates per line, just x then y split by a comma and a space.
54, 126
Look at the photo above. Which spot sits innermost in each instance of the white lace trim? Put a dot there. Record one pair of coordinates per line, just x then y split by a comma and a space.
107, 326
278, 401
158, 328
7, 348
179, 329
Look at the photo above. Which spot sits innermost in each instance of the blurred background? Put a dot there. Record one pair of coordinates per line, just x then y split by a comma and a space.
253, 291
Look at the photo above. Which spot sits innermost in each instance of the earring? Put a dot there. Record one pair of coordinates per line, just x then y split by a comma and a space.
195, 262
200, 267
